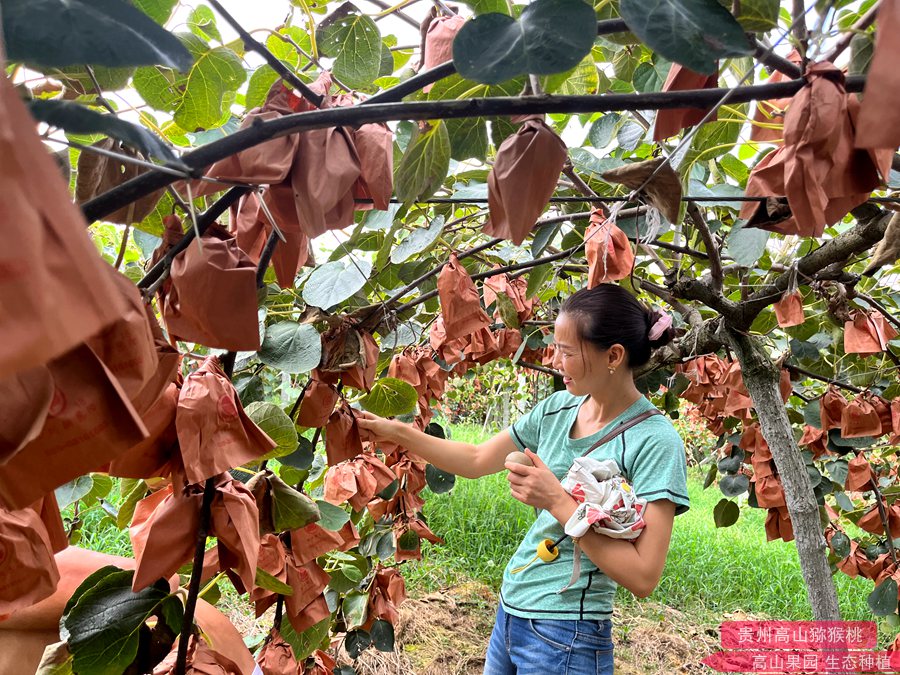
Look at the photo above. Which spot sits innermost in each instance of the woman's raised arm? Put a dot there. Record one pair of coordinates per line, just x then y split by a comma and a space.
462, 459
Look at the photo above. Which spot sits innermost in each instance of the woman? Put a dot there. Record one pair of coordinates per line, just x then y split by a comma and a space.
601, 336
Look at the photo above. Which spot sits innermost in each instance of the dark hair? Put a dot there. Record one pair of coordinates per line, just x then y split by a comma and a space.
608, 314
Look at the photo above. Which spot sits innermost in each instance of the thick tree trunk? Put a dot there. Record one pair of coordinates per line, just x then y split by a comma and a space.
761, 376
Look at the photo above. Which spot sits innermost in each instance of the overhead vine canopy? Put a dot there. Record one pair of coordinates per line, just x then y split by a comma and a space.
357, 204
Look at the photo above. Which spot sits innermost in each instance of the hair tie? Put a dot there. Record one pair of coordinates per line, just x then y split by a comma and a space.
662, 323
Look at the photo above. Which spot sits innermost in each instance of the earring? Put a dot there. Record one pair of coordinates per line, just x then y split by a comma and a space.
612, 370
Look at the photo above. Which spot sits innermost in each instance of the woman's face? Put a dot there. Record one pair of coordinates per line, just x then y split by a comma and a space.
582, 365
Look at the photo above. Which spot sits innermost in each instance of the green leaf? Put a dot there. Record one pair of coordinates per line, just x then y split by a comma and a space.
383, 635
883, 599
291, 347
71, 492
438, 480
507, 310
277, 425
158, 10
759, 16
258, 87
104, 624
250, 388
812, 414
56, 33
551, 36
732, 463
390, 397
291, 509
90, 581
355, 606
308, 641
77, 119
581, 80
158, 87
101, 485
302, 457
468, 138
335, 281
353, 40
487, 6
202, 23
694, 33
270, 583
734, 485
650, 76
132, 492
840, 544
333, 517
862, 51
209, 87
834, 437
357, 641
603, 130
417, 241
424, 164
726, 513
746, 245
838, 470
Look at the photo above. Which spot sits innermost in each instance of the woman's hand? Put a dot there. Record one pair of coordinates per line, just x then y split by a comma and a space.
536, 485
378, 429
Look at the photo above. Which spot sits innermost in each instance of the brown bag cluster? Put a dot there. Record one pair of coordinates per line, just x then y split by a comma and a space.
357, 481
879, 116
514, 289
210, 297
98, 173
717, 389
165, 524
670, 122
315, 178
768, 116
306, 606
817, 171
214, 432
54, 290
438, 44
656, 180
609, 253
523, 178
867, 333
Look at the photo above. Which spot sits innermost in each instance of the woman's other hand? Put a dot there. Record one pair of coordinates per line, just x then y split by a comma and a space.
536, 485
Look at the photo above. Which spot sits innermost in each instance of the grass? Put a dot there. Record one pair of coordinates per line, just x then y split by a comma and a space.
709, 570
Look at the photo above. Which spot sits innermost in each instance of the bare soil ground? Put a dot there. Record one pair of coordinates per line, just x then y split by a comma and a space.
446, 633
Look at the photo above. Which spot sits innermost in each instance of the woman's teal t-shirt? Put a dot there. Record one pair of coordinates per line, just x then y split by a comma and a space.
649, 454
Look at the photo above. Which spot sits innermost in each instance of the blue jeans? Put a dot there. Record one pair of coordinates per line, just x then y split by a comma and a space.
549, 647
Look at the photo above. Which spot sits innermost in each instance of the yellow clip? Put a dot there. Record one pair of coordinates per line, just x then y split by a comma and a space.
626, 486
547, 551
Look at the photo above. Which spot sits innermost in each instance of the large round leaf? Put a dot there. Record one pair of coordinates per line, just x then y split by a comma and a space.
883, 599
693, 33
424, 165
726, 513
354, 41
390, 397
291, 347
335, 281
551, 36
734, 485
99, 32
277, 425
418, 240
